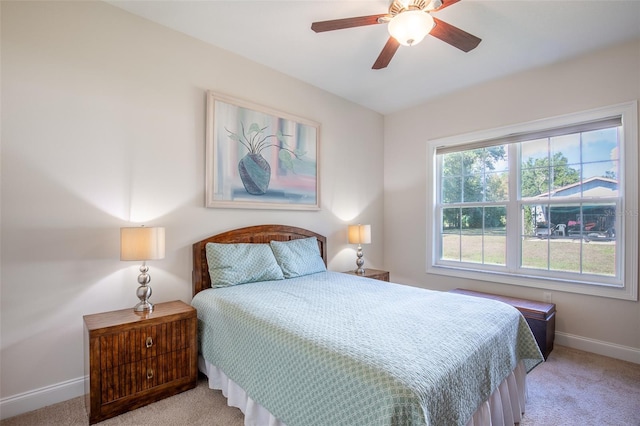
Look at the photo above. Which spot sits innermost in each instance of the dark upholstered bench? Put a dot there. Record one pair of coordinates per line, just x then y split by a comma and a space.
540, 316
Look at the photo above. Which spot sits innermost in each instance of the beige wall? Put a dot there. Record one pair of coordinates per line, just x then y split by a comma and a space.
103, 123
609, 77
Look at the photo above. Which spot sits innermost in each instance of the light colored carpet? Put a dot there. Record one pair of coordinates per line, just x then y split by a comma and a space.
571, 388
580, 388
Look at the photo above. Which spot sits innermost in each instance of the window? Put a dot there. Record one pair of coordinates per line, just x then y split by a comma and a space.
550, 204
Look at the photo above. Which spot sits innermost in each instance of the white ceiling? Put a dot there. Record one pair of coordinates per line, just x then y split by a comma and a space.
516, 35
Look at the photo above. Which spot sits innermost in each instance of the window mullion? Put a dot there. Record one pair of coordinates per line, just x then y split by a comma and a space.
513, 209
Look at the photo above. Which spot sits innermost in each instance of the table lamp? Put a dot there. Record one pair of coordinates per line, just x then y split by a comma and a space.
359, 234
142, 244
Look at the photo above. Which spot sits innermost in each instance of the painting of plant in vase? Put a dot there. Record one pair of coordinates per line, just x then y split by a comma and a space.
260, 158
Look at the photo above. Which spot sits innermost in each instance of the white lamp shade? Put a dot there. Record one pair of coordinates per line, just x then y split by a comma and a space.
359, 234
141, 243
410, 27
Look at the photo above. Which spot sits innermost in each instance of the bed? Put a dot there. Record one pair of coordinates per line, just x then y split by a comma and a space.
295, 344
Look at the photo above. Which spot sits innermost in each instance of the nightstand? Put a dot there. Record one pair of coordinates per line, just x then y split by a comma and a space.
376, 274
135, 359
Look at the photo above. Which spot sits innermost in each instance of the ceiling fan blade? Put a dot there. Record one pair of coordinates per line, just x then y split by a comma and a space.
454, 36
387, 53
339, 24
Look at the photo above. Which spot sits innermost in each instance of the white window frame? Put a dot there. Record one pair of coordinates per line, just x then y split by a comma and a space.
628, 211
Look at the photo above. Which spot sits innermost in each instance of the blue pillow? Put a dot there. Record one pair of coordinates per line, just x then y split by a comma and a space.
231, 264
298, 257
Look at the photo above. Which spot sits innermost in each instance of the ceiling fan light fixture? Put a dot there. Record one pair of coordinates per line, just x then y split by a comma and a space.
410, 27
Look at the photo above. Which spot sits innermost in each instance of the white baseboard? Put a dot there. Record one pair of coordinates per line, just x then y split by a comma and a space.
612, 350
32, 400
38, 398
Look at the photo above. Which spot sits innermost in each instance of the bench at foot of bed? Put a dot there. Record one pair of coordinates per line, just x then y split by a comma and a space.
540, 316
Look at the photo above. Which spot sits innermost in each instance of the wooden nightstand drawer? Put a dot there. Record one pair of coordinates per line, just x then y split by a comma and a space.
142, 342
131, 378
136, 359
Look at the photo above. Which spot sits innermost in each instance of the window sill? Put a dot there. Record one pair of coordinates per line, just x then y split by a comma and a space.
543, 283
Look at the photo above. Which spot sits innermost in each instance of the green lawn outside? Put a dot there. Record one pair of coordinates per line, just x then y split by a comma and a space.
597, 257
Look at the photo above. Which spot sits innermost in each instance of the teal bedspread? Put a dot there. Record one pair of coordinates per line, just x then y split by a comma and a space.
337, 349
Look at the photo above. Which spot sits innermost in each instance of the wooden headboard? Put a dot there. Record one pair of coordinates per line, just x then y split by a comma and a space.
251, 234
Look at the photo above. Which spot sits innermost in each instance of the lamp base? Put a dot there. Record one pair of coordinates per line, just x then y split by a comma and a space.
144, 306
359, 261
144, 291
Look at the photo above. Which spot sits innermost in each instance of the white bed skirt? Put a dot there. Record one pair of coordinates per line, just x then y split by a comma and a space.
504, 407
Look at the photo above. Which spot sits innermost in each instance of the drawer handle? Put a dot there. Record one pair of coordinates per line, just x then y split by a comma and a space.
150, 374
149, 342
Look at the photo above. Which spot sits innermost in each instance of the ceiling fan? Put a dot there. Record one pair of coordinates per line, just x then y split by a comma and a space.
409, 21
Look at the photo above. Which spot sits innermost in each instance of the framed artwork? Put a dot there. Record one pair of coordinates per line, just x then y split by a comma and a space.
260, 158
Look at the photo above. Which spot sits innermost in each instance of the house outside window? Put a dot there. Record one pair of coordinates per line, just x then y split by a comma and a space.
551, 204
